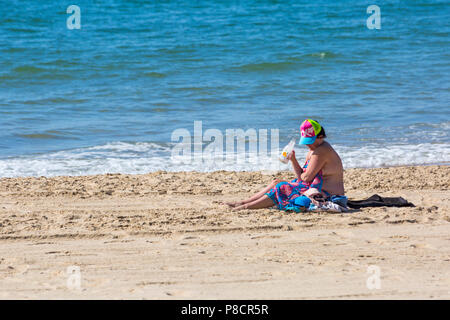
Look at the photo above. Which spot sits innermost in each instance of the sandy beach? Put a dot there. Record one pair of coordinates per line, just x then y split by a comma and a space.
165, 235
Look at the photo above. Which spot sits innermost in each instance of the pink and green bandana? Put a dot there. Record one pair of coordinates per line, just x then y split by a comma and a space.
309, 131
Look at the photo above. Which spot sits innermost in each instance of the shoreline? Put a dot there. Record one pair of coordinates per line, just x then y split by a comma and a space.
264, 172
164, 235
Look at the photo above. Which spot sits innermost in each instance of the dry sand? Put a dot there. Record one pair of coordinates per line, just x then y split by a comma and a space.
165, 236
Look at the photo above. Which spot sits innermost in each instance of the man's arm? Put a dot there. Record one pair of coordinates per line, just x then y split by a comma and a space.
316, 163
297, 168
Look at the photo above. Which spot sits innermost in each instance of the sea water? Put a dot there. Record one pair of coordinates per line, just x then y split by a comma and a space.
108, 96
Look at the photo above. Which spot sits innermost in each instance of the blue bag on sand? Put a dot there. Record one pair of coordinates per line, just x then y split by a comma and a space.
302, 201
299, 204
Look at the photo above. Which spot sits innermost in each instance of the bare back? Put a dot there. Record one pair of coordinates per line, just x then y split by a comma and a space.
332, 169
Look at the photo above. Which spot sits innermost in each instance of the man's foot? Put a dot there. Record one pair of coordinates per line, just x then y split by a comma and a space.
238, 208
233, 204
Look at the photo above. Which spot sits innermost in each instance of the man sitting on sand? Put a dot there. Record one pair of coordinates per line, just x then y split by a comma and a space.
322, 170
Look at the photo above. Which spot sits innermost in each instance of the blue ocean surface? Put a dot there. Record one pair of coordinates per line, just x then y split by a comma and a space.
107, 97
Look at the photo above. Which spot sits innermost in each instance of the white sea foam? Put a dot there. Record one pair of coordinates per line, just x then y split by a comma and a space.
135, 158
394, 155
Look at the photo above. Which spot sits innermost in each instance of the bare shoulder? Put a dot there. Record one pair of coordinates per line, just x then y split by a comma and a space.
324, 149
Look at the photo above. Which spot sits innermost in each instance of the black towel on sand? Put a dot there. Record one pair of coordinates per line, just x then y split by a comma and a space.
377, 201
